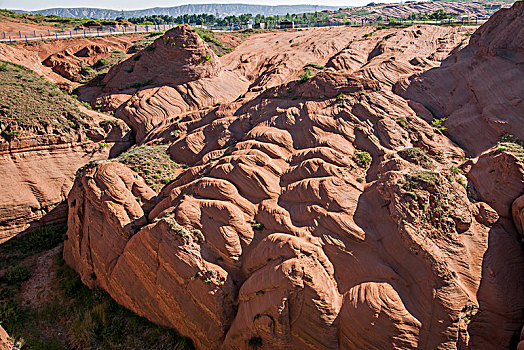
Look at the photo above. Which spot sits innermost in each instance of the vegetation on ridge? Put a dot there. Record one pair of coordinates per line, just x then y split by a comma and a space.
71, 315
28, 100
152, 163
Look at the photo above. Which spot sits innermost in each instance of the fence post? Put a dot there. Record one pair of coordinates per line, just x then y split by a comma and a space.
34, 33
20, 33
26, 39
70, 35
56, 35
10, 41
97, 32
49, 32
41, 37
135, 29
85, 33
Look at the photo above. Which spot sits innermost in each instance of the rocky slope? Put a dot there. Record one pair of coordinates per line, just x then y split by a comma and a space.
177, 73
319, 209
44, 137
486, 77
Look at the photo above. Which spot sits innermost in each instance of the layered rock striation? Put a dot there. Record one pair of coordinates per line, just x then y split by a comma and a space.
313, 213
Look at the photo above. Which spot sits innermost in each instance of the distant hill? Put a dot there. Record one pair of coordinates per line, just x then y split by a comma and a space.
483, 8
221, 9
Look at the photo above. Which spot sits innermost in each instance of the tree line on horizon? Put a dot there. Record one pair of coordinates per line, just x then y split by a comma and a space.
303, 18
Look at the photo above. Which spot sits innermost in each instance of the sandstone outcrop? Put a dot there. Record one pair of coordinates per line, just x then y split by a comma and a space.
319, 209
318, 214
177, 73
479, 87
44, 139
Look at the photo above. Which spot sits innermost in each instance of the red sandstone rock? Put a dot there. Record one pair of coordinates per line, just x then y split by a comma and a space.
278, 230
279, 233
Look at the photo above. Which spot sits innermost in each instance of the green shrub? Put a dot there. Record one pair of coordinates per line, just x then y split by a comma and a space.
362, 158
437, 123
314, 65
9, 315
402, 122
101, 62
305, 76
258, 226
417, 156
11, 133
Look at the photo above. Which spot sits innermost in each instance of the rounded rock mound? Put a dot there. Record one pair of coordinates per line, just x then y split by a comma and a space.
177, 57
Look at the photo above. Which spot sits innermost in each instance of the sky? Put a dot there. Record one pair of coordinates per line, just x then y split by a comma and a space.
140, 4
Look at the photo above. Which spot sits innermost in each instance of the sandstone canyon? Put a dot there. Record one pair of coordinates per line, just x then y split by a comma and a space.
328, 188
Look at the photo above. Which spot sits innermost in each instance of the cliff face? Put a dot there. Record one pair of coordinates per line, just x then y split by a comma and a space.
479, 88
44, 137
318, 213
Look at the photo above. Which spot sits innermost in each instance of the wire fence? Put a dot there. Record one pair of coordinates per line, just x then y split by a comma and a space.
85, 32
79, 32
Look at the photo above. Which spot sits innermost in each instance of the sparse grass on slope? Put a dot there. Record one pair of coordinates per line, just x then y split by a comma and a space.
217, 45
101, 66
510, 144
72, 316
28, 100
152, 163
146, 42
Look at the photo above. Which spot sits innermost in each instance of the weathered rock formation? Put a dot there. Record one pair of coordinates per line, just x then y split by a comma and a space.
479, 87
44, 138
319, 214
181, 73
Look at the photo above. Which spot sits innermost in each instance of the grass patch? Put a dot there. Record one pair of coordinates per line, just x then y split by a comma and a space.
51, 20
145, 43
305, 76
101, 66
422, 180
81, 319
362, 158
214, 42
28, 100
22, 246
152, 163
417, 156
510, 144
141, 85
